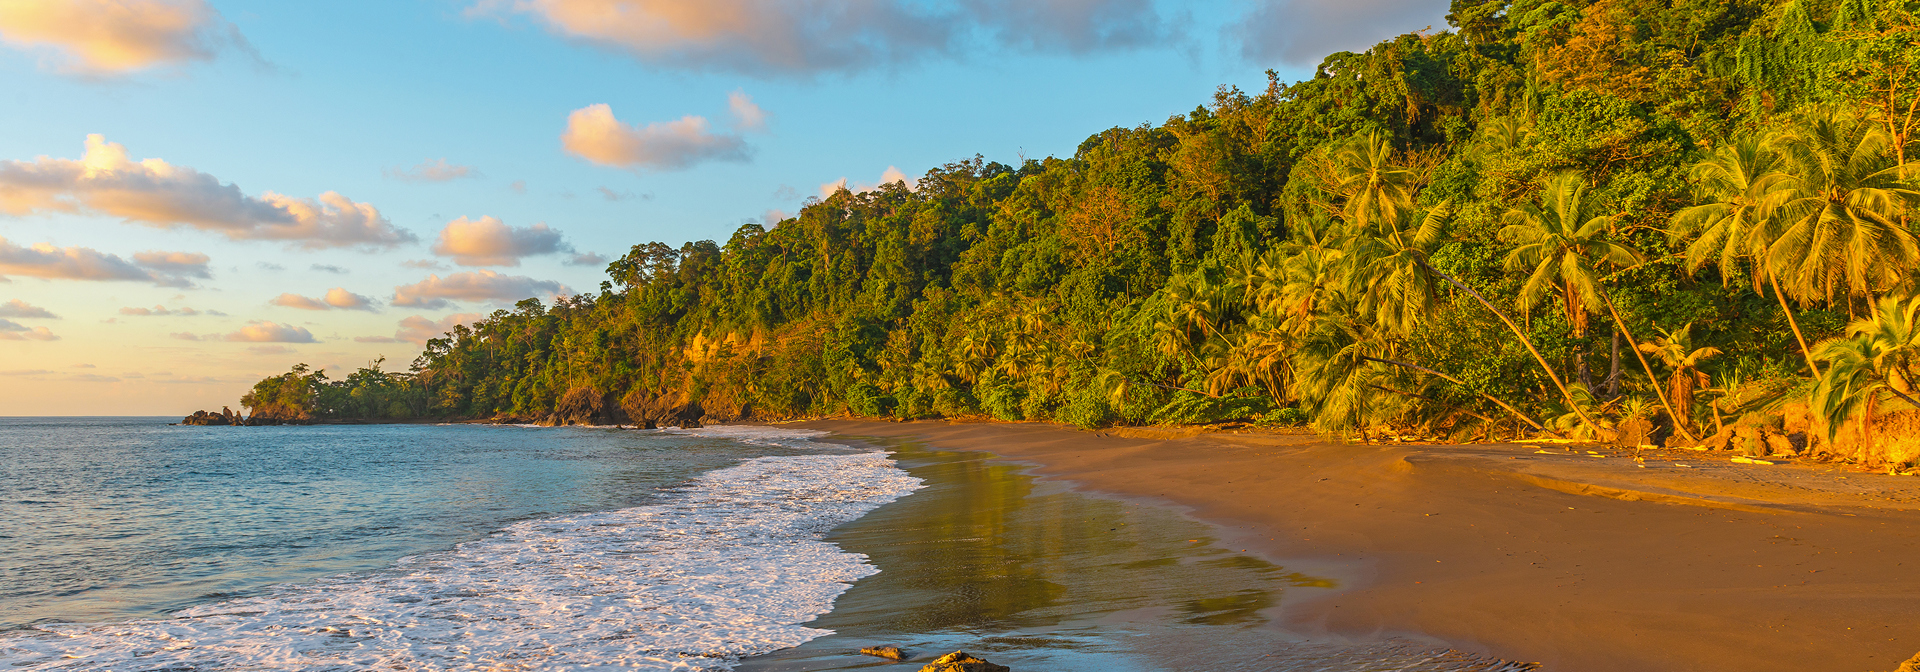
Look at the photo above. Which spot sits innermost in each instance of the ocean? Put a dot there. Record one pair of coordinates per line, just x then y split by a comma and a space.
128, 544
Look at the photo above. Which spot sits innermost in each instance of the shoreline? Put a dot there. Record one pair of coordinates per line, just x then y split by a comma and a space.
1525, 552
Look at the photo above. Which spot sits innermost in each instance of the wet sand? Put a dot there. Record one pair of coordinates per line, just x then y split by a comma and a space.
1030, 573
1583, 562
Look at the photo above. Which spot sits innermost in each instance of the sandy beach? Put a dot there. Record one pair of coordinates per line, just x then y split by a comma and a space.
1577, 557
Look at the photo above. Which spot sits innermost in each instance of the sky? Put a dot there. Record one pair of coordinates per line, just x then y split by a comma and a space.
196, 194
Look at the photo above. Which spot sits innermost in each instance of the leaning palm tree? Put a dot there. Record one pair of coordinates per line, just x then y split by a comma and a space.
1743, 187
1383, 268
1561, 244
1675, 348
1843, 228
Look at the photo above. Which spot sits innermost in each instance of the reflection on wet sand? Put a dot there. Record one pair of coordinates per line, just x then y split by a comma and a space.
1039, 577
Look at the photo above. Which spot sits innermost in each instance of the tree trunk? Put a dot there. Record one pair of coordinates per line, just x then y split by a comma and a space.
1804, 352
1678, 422
1613, 368
1523, 340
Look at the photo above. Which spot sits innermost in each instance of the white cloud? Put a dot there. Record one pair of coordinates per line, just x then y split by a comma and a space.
805, 37
489, 242
422, 264
416, 329
18, 308
1303, 32
336, 298
434, 170
746, 115
436, 292
586, 259
888, 176
166, 269
269, 332
617, 196
329, 268
163, 310
117, 36
13, 331
155, 193
595, 135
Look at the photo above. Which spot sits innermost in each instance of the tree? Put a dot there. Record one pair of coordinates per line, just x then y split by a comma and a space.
1878, 355
1564, 244
1561, 243
1675, 349
1843, 226
1743, 187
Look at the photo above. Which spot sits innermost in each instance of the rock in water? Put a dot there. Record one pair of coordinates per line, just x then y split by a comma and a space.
959, 661
205, 418
892, 652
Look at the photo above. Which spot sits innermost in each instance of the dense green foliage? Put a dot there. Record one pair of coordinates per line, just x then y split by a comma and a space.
1466, 233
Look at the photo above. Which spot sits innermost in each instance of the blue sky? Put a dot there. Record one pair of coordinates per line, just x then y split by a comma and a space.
450, 159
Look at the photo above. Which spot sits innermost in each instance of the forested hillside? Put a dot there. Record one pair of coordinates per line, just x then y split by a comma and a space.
1554, 217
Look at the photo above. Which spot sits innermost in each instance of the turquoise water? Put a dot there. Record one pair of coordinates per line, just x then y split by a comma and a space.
115, 518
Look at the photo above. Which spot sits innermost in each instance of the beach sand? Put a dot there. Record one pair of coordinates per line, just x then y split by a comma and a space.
1583, 562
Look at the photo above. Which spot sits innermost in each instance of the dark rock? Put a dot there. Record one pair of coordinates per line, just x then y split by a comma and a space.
890, 652
205, 418
959, 661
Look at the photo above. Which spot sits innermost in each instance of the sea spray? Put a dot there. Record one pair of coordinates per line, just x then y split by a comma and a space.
729, 565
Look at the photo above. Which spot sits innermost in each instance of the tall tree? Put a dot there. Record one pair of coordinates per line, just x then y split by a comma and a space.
1843, 228
1743, 186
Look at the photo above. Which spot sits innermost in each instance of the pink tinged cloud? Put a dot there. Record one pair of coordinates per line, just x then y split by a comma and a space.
270, 332
489, 242
163, 310
155, 193
14, 331
436, 292
18, 308
116, 36
595, 135
746, 115
43, 260
807, 37
434, 170
1302, 32
336, 298
418, 330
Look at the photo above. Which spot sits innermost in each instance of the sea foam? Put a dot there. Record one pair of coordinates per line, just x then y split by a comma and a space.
729, 565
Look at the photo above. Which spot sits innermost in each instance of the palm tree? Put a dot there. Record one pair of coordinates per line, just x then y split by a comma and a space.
1744, 187
1564, 244
1375, 188
1383, 266
1560, 243
1877, 355
1843, 226
1675, 348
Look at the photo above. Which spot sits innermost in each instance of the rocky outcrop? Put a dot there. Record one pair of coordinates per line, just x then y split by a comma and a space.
649, 409
959, 661
581, 406
226, 416
888, 652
